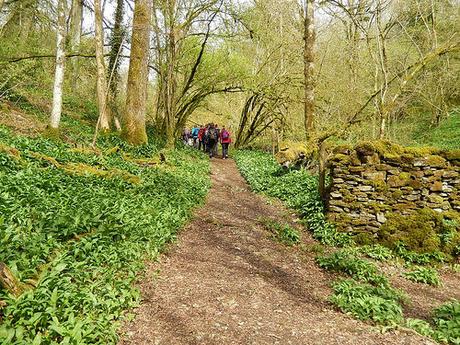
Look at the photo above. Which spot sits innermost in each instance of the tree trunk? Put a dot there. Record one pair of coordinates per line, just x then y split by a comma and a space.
136, 96
8, 281
116, 42
104, 122
60, 65
76, 16
309, 60
170, 87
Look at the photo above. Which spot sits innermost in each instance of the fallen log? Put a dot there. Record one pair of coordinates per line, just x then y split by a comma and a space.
9, 282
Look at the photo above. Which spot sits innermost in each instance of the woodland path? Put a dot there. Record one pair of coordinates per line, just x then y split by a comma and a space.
226, 281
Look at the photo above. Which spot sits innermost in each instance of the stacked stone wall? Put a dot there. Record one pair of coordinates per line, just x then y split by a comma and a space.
373, 180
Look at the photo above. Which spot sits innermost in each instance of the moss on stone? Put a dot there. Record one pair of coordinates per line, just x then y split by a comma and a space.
292, 151
452, 155
397, 194
379, 185
341, 159
435, 161
420, 231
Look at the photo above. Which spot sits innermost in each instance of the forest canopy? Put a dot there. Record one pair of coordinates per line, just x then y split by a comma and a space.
272, 71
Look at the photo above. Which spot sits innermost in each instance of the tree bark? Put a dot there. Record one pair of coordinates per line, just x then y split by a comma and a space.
170, 87
134, 128
60, 66
309, 65
8, 281
116, 42
76, 16
104, 123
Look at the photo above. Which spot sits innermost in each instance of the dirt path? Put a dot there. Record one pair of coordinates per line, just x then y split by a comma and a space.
227, 282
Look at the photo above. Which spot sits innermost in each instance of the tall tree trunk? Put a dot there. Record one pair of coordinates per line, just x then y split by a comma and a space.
116, 42
136, 96
60, 66
170, 87
104, 123
76, 16
309, 64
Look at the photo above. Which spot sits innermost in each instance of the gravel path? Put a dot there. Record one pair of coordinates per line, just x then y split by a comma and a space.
227, 281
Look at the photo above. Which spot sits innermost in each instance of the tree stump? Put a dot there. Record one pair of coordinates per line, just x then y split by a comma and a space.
8, 280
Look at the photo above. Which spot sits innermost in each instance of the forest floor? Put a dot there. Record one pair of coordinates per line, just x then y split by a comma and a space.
227, 281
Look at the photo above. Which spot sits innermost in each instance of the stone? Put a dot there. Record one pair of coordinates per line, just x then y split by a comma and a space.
357, 169
374, 175
450, 174
395, 181
382, 167
381, 218
365, 188
336, 195
436, 186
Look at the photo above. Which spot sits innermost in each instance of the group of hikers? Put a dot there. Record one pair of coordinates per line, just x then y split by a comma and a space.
207, 138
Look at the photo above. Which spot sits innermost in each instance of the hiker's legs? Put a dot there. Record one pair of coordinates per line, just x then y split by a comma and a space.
225, 150
211, 148
215, 147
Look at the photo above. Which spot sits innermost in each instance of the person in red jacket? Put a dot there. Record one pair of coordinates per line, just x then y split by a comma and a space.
225, 140
201, 138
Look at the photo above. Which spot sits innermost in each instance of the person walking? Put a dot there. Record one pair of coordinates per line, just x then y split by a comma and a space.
213, 138
225, 141
201, 138
194, 133
216, 145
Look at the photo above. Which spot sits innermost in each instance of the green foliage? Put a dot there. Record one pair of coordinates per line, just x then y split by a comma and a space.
297, 188
82, 239
367, 302
420, 326
283, 233
355, 267
376, 252
425, 231
423, 275
446, 135
447, 321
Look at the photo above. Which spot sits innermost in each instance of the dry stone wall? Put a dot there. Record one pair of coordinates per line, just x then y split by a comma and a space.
372, 180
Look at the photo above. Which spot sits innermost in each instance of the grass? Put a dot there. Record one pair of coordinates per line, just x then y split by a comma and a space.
445, 136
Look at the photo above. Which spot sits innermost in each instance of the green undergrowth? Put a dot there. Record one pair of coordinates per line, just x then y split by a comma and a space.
444, 325
348, 263
297, 188
423, 275
446, 135
75, 231
283, 233
365, 293
368, 302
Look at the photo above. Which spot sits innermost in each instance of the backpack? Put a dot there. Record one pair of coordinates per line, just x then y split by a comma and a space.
212, 134
225, 135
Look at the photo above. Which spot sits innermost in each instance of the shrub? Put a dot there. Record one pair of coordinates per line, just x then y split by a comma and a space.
359, 269
367, 302
423, 275
447, 321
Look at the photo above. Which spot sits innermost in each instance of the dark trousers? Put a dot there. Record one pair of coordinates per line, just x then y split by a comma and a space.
225, 150
210, 147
